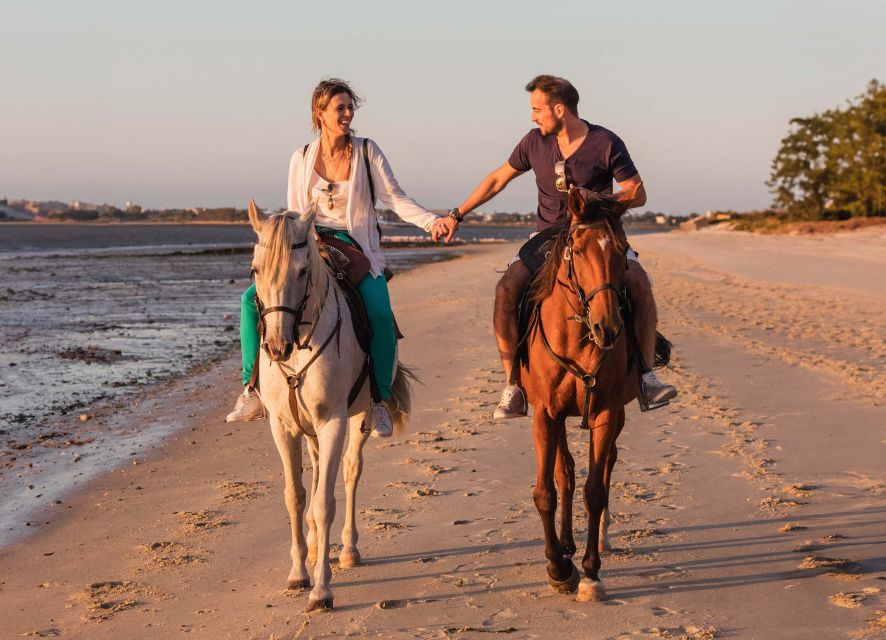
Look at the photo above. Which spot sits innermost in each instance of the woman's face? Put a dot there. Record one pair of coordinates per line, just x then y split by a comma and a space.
336, 117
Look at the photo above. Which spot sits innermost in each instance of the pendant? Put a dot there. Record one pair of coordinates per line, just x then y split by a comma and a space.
330, 204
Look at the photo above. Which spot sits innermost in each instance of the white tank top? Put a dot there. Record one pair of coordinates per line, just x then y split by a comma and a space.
337, 216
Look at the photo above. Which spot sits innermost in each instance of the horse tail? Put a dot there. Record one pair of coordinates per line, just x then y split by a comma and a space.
663, 348
401, 397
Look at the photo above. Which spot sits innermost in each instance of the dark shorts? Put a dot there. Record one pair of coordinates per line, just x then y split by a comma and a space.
536, 250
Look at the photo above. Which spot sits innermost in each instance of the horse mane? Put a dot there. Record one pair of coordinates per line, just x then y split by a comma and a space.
584, 207
278, 253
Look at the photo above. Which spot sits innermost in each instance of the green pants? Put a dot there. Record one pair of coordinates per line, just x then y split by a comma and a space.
383, 347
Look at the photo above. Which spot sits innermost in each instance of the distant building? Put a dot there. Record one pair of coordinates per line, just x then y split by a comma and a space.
694, 224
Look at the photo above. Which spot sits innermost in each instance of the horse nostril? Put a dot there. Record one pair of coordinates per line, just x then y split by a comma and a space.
287, 350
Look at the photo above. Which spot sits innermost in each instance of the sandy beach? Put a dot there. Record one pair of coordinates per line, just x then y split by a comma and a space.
753, 507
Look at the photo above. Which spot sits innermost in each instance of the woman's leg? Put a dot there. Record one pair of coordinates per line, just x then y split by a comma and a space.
383, 347
249, 338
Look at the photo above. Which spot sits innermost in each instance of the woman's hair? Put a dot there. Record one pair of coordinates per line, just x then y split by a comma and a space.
325, 91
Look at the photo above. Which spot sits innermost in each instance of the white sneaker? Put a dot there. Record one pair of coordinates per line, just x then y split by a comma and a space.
512, 404
654, 393
248, 407
378, 420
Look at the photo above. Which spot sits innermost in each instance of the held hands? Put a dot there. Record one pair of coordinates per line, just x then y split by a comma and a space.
443, 229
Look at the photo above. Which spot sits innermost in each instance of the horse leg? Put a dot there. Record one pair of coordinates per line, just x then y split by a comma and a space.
352, 469
602, 437
564, 474
330, 436
604, 543
562, 574
289, 446
314, 454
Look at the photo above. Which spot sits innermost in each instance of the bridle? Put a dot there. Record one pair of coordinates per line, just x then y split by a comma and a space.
297, 311
582, 315
294, 378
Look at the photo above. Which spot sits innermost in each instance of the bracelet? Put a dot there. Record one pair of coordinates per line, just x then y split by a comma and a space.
456, 215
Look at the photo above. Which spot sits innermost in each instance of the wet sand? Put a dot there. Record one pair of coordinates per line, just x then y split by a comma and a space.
752, 508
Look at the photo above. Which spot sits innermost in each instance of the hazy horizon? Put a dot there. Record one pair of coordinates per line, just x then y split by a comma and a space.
198, 104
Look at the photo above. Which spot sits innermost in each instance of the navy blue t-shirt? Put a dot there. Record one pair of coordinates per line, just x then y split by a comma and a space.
601, 158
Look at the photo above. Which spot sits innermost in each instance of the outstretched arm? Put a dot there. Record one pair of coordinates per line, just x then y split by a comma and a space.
488, 188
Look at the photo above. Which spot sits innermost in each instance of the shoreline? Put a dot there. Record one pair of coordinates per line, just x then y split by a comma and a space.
718, 499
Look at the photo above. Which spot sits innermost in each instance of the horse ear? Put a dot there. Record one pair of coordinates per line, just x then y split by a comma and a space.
256, 217
309, 215
575, 201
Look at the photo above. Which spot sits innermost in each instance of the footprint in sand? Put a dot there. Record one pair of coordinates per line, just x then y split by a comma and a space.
202, 522
854, 599
837, 567
683, 632
799, 489
436, 469
238, 491
103, 599
163, 555
424, 492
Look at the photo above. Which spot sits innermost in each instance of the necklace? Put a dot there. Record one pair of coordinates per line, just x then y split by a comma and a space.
330, 203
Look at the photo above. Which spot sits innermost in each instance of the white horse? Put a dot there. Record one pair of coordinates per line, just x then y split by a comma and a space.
310, 363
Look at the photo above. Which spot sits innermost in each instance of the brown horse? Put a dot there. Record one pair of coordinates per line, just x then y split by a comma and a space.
580, 363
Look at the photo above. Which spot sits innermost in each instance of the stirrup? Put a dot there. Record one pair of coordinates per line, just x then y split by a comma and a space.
647, 406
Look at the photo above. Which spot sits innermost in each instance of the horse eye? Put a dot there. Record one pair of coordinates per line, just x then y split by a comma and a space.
300, 271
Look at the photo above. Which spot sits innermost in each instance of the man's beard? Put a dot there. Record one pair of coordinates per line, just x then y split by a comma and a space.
558, 126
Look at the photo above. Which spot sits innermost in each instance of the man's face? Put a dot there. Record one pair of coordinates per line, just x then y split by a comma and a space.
543, 115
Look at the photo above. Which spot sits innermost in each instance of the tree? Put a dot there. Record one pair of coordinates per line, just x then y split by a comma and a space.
833, 164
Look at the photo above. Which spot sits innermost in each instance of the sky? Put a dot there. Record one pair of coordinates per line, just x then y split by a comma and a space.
197, 103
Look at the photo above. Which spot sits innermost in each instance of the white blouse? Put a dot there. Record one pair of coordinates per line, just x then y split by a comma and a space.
359, 212
335, 217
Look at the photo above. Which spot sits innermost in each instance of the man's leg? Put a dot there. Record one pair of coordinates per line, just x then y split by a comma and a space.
654, 393
504, 317
504, 320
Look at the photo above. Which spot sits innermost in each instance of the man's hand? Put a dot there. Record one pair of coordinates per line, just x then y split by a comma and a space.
444, 229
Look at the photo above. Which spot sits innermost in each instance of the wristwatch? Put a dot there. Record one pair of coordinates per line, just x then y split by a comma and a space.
456, 215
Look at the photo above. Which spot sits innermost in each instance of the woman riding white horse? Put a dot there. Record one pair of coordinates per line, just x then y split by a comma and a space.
331, 175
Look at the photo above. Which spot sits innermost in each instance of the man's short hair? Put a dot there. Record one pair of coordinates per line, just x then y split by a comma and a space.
557, 90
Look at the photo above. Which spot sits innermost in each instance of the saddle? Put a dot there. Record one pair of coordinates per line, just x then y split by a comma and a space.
349, 266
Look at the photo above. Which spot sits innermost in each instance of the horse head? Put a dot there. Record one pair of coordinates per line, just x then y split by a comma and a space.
595, 262
281, 263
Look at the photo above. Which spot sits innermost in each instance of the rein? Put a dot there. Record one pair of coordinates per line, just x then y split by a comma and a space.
582, 316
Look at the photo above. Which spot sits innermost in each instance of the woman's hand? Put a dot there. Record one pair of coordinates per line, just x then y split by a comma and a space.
443, 229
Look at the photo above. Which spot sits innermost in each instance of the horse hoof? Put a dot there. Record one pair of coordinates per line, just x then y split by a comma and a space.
299, 585
348, 559
319, 605
566, 586
590, 591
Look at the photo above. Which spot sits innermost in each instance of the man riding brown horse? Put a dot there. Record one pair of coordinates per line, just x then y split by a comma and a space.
564, 151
